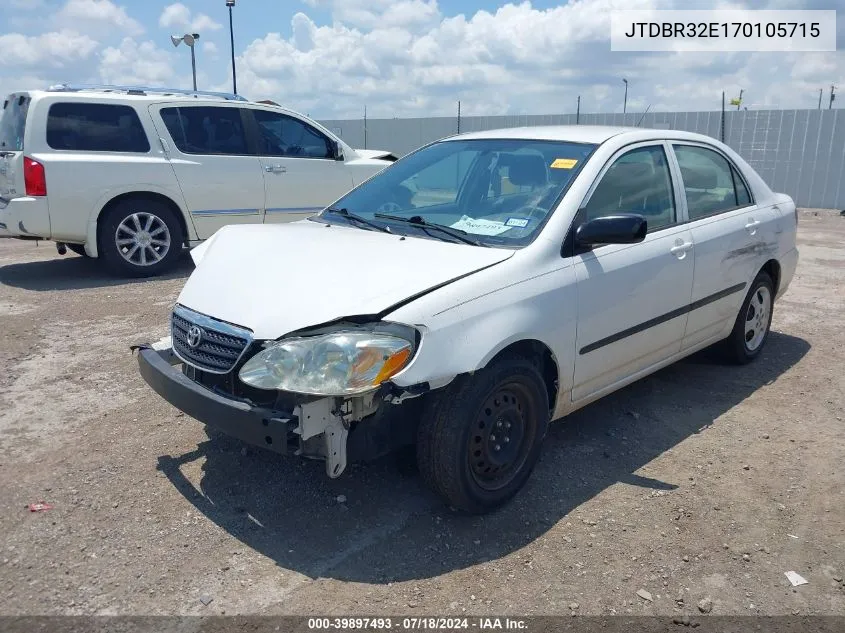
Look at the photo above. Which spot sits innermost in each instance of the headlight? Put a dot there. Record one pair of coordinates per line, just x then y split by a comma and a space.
336, 364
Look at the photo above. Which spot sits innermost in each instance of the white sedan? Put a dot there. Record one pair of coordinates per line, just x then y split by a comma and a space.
473, 291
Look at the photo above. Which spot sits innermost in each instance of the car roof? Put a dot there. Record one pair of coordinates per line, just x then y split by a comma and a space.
580, 133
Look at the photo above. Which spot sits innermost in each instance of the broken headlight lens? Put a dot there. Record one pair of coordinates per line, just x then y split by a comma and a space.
336, 364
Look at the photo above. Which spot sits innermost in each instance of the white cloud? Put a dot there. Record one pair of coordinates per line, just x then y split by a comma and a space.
136, 63
211, 50
54, 50
179, 16
98, 16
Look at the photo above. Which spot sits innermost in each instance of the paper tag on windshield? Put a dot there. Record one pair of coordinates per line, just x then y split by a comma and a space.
480, 227
564, 163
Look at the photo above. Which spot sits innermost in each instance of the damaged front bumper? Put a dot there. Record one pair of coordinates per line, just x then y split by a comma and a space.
318, 429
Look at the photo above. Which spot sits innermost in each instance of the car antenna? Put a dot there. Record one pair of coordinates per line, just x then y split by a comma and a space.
643, 116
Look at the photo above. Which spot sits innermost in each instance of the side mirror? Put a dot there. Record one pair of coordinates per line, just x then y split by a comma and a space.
337, 150
622, 228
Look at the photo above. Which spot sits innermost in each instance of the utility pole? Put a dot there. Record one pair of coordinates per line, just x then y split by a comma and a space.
739, 104
821, 91
230, 4
722, 122
459, 117
578, 111
625, 102
365, 126
832, 96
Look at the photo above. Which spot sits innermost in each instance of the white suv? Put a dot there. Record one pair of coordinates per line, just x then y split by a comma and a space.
131, 175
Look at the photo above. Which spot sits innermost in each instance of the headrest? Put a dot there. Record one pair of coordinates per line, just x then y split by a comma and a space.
526, 169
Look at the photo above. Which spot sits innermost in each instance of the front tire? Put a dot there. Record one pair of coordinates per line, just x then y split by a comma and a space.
139, 237
480, 438
751, 328
79, 249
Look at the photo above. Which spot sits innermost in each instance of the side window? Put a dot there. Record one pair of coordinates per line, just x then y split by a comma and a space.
206, 130
281, 135
709, 182
743, 198
637, 182
95, 127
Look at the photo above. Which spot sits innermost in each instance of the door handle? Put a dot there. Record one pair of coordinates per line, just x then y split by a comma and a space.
752, 225
276, 169
679, 250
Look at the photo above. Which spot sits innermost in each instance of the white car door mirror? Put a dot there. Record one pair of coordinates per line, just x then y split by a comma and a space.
620, 228
337, 150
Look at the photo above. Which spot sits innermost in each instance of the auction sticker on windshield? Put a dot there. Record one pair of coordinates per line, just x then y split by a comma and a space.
564, 163
480, 227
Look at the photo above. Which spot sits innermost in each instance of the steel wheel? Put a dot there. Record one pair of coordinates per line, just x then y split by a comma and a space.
757, 318
502, 438
142, 239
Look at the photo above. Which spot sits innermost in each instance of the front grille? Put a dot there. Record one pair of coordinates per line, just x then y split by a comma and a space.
220, 344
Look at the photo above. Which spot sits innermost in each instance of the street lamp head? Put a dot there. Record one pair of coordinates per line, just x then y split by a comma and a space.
625, 80
230, 3
190, 38
176, 39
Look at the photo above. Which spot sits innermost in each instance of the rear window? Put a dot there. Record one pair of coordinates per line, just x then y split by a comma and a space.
95, 127
206, 130
13, 122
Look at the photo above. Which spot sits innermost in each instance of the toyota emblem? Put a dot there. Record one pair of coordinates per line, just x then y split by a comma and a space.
194, 336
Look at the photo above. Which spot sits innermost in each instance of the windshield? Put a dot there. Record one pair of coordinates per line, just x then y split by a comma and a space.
13, 122
499, 192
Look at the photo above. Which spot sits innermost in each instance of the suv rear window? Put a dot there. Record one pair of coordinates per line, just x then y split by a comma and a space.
95, 127
13, 122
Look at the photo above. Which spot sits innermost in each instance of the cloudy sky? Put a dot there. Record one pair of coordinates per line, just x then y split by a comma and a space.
329, 58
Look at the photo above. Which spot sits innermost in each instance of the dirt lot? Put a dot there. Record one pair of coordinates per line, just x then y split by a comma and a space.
702, 482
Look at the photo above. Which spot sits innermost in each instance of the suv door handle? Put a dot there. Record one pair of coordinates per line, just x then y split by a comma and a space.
276, 169
752, 225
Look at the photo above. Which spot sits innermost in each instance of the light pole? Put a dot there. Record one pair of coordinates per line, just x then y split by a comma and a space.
625, 102
190, 39
230, 4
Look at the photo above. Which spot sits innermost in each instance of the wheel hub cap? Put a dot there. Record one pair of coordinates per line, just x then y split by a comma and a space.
757, 318
142, 239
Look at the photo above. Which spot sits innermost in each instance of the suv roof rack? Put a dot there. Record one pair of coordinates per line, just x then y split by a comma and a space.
143, 91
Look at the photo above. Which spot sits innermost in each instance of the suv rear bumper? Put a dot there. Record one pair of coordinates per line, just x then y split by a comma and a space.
25, 217
254, 425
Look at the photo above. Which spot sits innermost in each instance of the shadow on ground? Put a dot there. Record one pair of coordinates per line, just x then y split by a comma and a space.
392, 529
73, 272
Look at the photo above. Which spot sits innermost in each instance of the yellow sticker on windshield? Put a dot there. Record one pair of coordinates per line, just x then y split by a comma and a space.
564, 163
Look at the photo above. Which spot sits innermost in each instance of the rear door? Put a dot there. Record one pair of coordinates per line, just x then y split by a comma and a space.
219, 174
731, 236
12, 129
301, 175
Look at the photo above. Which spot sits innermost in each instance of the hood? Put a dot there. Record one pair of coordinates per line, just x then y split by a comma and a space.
276, 279
377, 153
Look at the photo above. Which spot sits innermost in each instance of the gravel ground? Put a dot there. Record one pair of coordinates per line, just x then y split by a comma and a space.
691, 491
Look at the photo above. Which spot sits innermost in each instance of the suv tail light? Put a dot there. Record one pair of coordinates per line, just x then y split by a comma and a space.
34, 178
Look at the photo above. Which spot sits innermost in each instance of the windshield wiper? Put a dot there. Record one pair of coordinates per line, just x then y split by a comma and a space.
416, 220
353, 217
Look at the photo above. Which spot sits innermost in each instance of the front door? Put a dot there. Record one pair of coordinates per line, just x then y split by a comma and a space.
301, 175
220, 177
632, 298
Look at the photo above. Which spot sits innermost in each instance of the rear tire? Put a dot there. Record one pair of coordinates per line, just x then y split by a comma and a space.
480, 438
140, 237
751, 328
